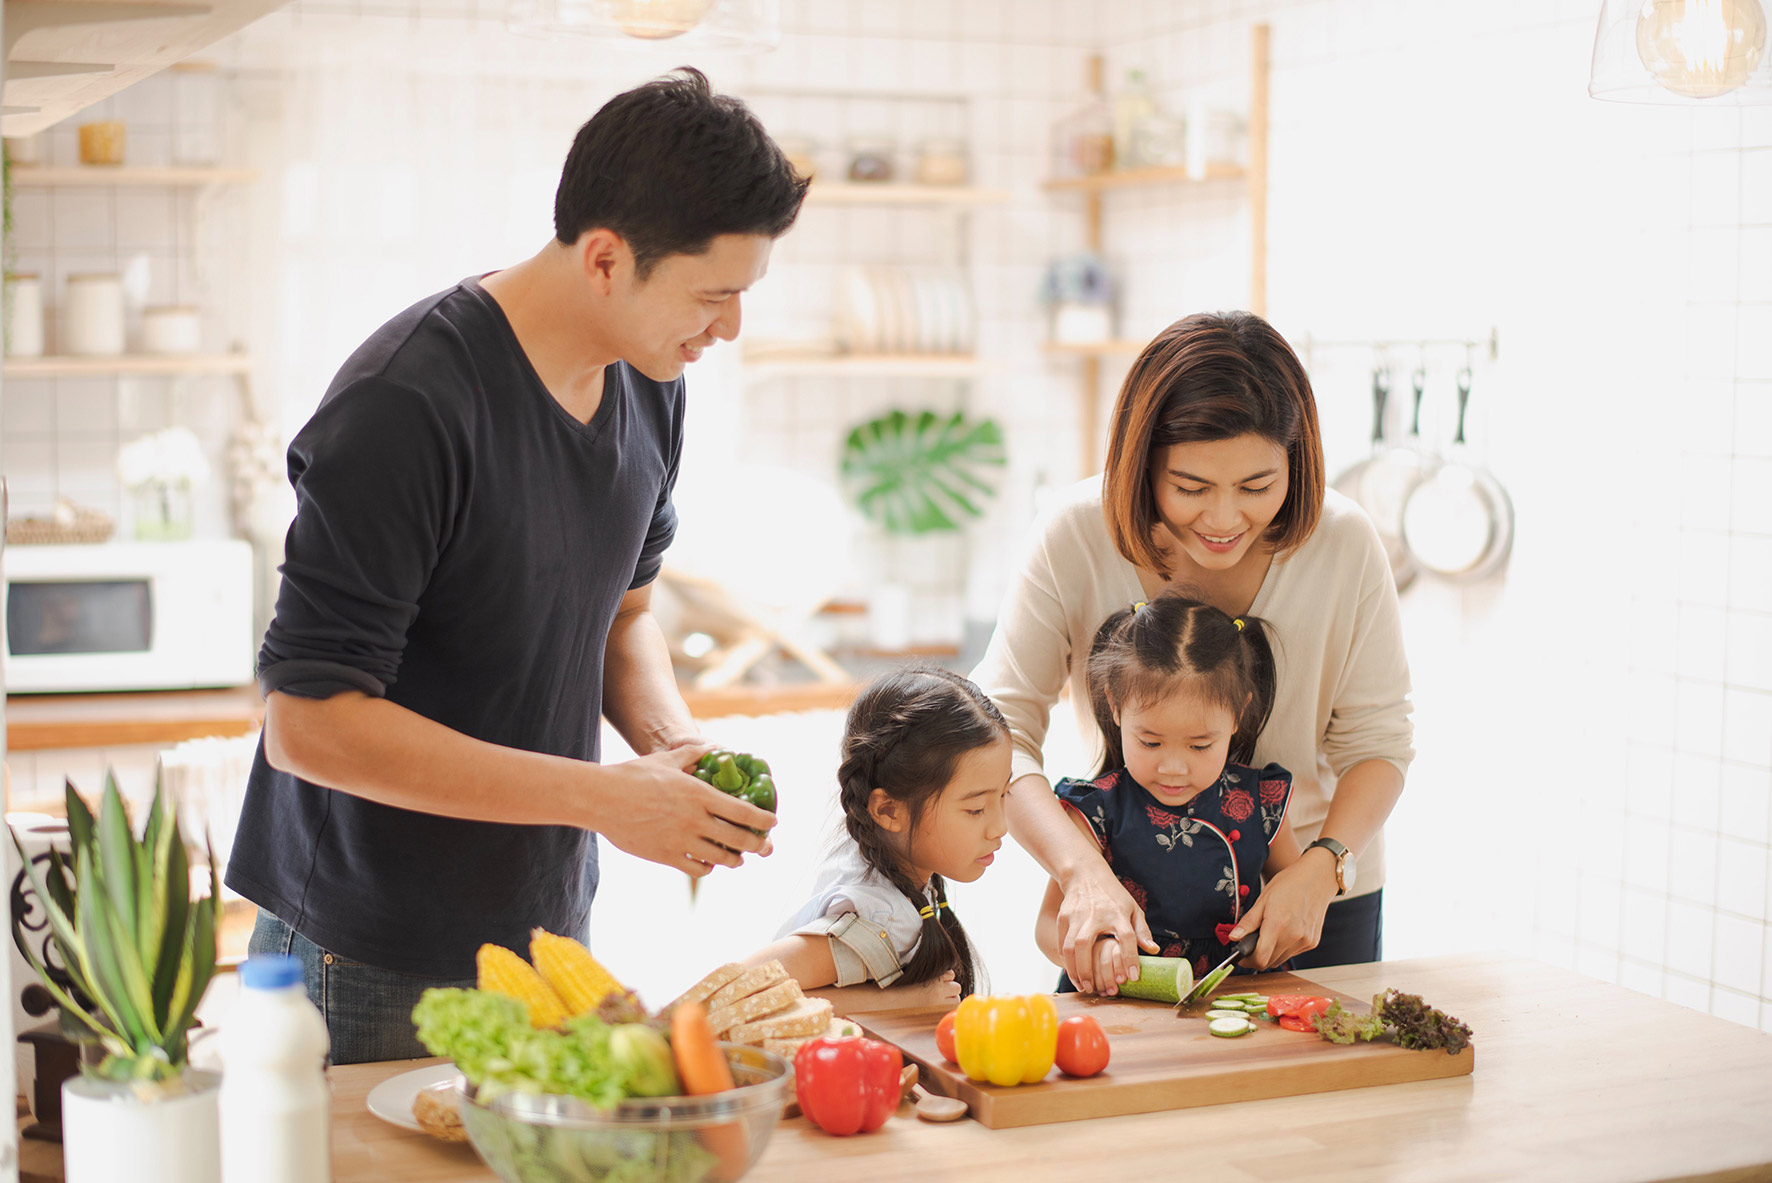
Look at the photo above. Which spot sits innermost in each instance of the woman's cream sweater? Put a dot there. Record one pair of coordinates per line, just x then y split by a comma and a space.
1331, 607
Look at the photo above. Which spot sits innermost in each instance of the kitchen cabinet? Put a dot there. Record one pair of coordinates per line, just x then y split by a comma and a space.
1095, 188
1576, 1080
63, 55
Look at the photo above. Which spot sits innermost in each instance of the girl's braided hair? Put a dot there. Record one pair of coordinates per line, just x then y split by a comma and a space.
906, 734
1145, 652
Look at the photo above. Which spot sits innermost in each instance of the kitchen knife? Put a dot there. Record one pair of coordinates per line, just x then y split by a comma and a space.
1213, 980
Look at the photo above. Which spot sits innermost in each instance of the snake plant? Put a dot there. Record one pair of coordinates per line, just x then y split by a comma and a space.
923, 474
139, 951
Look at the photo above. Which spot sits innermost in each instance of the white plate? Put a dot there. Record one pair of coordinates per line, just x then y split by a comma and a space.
392, 1099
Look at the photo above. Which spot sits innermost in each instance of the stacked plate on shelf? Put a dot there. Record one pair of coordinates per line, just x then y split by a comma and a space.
905, 310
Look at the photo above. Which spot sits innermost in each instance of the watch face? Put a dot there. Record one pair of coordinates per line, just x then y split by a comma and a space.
1347, 874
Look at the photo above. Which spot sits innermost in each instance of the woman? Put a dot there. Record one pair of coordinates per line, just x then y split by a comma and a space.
1214, 482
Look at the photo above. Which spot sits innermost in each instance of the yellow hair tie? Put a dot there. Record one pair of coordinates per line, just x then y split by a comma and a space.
927, 911
1239, 623
1137, 606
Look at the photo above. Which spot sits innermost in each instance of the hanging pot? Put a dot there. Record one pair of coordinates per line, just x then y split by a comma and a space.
1458, 521
1363, 479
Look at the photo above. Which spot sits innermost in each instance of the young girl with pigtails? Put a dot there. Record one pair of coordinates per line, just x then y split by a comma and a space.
1180, 691
924, 772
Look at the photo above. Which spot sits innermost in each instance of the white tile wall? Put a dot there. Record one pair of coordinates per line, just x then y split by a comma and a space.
1620, 250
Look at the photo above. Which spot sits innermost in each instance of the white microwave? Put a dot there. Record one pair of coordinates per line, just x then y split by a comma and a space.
129, 616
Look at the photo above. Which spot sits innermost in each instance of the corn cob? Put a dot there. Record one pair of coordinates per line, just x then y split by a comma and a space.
570, 969
503, 972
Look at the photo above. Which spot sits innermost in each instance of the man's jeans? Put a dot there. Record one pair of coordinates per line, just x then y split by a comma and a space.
368, 1011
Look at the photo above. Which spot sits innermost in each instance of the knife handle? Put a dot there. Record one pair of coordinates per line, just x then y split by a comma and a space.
1247, 945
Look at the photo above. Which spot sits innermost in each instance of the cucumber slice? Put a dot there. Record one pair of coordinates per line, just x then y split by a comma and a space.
1230, 1028
1227, 1014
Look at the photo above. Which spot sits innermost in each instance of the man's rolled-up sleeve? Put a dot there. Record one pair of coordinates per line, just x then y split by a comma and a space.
376, 487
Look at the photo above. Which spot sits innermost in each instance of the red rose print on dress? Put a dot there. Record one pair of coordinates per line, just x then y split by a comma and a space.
1273, 792
1104, 783
1160, 817
1173, 950
1238, 805
1137, 892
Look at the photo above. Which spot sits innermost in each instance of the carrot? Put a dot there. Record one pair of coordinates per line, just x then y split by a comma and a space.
703, 1069
700, 1062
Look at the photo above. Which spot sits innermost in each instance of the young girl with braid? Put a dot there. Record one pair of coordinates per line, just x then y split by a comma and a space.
1180, 691
924, 772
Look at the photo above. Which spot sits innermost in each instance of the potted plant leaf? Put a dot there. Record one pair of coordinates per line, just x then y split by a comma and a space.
138, 953
920, 478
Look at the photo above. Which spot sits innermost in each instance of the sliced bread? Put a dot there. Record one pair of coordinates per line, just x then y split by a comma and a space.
706, 988
806, 1018
751, 981
774, 1000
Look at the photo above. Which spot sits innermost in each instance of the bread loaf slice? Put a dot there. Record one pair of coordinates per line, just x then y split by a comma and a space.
805, 1019
706, 988
751, 981
774, 1000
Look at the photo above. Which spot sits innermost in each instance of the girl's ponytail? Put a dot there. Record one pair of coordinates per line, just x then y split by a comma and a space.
1263, 685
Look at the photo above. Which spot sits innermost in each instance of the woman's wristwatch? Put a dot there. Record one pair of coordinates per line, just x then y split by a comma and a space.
1344, 863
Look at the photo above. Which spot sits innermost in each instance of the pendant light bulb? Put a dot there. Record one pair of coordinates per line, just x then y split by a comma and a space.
1701, 48
658, 20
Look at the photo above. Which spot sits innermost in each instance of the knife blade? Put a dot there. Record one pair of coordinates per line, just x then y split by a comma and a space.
1211, 981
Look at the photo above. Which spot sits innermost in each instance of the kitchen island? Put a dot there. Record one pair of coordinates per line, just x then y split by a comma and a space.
1576, 1080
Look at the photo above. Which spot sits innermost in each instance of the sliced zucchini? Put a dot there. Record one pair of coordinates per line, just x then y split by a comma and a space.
1230, 1028
1227, 1014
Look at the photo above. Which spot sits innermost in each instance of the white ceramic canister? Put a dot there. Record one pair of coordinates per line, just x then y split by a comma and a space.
275, 1106
24, 307
110, 1132
92, 317
171, 328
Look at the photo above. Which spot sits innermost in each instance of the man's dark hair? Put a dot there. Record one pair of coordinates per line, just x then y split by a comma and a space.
670, 166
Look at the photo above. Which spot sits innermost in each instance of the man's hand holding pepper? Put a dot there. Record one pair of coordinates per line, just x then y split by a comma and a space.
652, 808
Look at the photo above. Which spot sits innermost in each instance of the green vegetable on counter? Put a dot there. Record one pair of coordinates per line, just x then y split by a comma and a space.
1417, 1025
490, 1039
1160, 979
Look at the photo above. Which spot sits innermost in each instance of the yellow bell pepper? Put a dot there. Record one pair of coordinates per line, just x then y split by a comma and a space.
1006, 1039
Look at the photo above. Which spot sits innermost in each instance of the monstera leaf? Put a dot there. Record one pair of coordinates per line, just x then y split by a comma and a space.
924, 473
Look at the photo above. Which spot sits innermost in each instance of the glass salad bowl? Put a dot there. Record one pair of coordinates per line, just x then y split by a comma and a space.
544, 1138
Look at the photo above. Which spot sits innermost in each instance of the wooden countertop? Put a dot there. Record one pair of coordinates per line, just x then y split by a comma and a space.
35, 722
1578, 1080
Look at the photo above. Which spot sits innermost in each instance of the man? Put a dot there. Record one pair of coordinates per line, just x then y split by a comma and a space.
483, 501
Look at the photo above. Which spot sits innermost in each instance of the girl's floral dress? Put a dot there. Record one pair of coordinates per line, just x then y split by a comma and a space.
1193, 868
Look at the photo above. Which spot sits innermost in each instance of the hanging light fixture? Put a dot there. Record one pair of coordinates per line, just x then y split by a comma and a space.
753, 25
1694, 52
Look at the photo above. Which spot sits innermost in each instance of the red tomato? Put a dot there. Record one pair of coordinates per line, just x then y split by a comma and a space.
1082, 1046
1294, 1004
1294, 1023
944, 1037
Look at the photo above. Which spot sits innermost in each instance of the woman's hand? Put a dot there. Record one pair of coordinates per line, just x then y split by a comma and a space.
1290, 911
1095, 906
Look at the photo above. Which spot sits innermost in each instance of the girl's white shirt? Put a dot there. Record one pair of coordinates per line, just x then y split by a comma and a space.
845, 883
1343, 693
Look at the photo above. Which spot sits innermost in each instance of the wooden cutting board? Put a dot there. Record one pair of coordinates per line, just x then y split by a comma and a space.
1162, 1060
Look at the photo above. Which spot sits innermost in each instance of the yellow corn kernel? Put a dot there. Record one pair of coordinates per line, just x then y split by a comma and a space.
503, 972
570, 969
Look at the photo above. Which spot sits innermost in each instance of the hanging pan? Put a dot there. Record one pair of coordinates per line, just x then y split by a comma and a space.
1458, 521
1361, 479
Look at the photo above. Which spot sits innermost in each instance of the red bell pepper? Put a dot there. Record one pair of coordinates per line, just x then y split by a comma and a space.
847, 1084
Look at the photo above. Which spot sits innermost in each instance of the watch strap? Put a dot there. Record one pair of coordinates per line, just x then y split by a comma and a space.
1340, 852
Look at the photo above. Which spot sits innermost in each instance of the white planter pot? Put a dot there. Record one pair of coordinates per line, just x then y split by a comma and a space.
109, 1133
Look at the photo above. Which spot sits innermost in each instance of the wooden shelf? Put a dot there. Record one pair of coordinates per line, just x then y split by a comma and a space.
171, 365
36, 722
888, 193
62, 56
1093, 348
1144, 176
933, 365
119, 176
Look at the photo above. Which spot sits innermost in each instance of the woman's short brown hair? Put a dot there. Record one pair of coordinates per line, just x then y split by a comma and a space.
1211, 376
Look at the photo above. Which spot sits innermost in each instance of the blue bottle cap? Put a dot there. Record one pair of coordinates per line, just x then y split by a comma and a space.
270, 971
